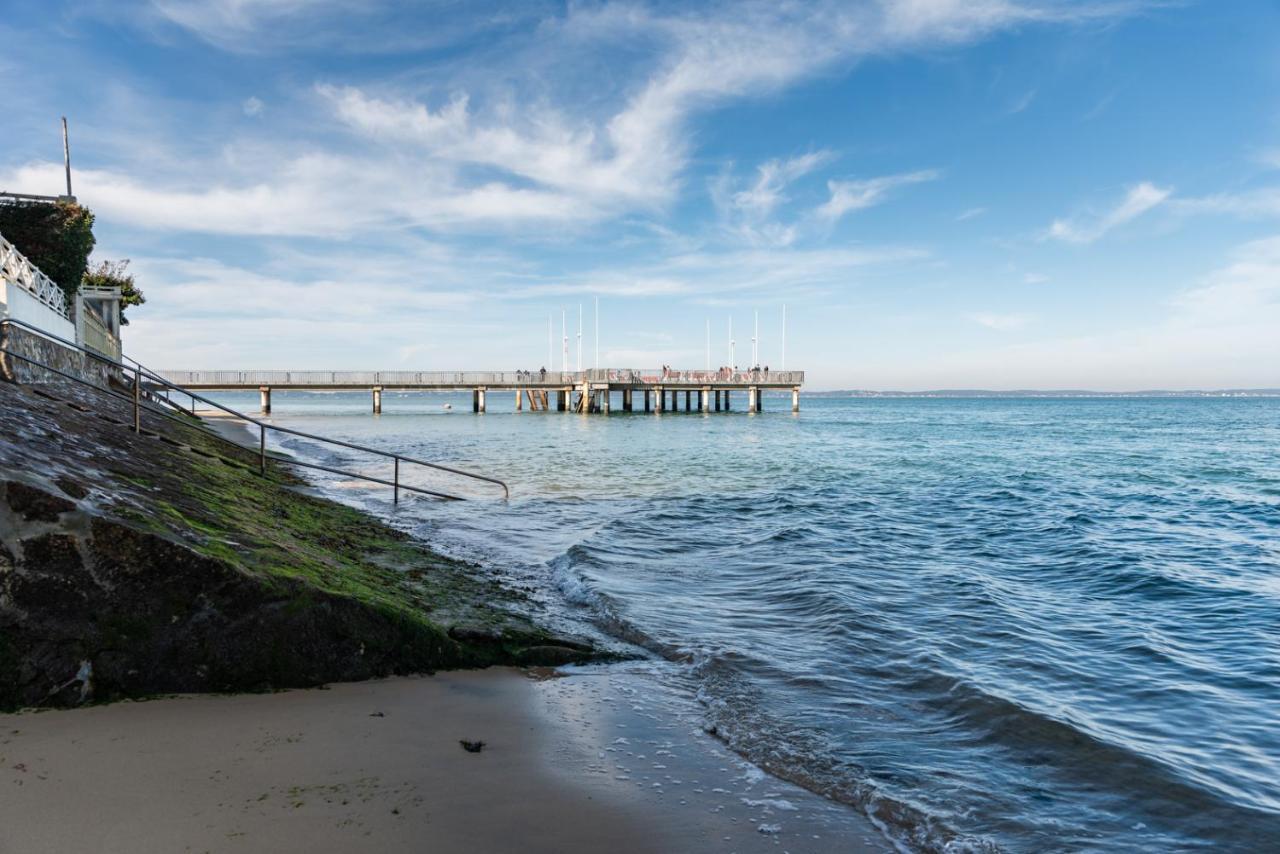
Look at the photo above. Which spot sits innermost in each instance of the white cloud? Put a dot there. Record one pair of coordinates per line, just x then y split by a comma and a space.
520, 141
1250, 204
1138, 200
970, 213
857, 195
1035, 278
1022, 103
1002, 322
253, 106
747, 210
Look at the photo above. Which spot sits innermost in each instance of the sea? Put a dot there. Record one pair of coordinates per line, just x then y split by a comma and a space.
991, 624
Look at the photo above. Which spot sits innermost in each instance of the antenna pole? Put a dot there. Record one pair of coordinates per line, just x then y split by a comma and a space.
784, 336
66, 155
733, 365
755, 342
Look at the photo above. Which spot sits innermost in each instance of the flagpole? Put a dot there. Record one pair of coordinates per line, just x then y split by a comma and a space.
784, 337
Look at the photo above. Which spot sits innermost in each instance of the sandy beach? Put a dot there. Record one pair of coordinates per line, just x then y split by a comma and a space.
604, 759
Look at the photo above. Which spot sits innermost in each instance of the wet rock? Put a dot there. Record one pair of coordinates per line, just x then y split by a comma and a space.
551, 656
35, 505
72, 487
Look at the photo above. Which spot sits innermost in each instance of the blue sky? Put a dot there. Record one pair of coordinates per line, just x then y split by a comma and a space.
944, 194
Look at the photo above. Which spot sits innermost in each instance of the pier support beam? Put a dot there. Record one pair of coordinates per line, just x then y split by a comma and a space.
648, 402
626, 400
605, 396
752, 394
377, 400
795, 399
704, 400
264, 393
661, 400
727, 407
520, 400
688, 399
562, 400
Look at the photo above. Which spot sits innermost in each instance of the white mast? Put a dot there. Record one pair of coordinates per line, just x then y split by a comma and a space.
755, 342
597, 364
783, 366
564, 343
579, 336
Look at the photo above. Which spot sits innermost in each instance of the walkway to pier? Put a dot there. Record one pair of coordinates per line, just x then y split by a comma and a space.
574, 391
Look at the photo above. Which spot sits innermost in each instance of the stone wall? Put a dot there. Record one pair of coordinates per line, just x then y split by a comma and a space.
35, 346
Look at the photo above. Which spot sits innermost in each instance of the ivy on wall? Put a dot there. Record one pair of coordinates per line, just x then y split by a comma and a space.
56, 236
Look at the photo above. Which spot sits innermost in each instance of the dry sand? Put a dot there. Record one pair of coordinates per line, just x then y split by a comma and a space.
607, 759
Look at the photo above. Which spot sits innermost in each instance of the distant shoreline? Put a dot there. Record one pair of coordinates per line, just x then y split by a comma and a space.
1065, 393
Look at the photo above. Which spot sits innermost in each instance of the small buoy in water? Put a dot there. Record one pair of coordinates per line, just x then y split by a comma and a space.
448, 406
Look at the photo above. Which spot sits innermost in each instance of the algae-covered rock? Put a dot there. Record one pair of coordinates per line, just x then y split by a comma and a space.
184, 569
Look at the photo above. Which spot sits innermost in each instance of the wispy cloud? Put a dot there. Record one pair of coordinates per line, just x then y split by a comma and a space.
253, 106
1001, 322
747, 210
1086, 229
858, 195
1022, 103
970, 213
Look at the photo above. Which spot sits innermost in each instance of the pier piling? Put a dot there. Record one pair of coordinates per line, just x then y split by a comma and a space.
264, 394
377, 400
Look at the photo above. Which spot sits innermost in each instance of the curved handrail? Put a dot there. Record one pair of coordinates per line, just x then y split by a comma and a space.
139, 370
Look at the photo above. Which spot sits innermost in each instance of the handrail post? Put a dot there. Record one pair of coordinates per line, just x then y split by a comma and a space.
262, 449
137, 400
396, 489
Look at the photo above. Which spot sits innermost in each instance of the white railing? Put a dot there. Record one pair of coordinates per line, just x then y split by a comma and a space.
15, 269
29, 295
474, 379
664, 376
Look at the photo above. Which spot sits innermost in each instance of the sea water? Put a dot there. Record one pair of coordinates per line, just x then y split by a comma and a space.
1022, 624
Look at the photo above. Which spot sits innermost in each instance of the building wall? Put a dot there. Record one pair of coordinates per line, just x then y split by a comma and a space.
21, 304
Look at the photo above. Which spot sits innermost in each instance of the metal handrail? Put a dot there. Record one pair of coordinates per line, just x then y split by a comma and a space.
139, 371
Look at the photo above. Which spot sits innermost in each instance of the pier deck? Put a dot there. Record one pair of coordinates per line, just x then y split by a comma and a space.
593, 388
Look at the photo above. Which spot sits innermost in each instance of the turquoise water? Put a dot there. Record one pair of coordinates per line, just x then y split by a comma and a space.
1023, 624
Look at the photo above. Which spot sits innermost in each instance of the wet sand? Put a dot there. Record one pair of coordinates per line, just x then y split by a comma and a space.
603, 760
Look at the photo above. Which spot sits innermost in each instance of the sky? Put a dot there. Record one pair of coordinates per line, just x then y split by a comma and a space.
993, 194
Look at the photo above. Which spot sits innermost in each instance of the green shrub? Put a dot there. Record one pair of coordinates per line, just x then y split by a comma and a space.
56, 236
110, 274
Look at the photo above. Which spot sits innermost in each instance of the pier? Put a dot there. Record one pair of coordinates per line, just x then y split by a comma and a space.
590, 391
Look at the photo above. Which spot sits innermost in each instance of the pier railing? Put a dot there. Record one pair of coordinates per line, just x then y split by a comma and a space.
473, 379
659, 376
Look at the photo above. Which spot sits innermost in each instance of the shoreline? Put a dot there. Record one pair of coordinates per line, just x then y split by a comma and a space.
596, 760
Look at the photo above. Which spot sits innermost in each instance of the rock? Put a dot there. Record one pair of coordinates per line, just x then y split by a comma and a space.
33, 504
71, 487
551, 656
